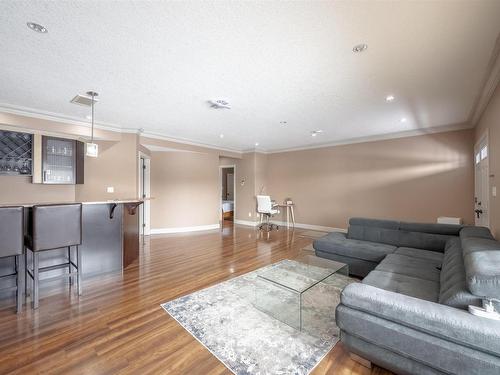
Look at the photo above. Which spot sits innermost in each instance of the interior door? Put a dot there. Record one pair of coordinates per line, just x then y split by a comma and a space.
481, 183
230, 186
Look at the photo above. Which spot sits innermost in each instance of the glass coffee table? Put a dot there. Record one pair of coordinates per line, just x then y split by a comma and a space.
303, 293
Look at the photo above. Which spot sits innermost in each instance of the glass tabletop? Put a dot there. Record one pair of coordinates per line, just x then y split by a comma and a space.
302, 273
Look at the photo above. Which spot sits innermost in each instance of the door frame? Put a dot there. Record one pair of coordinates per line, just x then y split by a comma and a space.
145, 211
483, 140
221, 167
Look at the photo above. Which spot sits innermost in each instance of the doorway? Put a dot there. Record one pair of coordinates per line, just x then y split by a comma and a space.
144, 193
228, 193
481, 182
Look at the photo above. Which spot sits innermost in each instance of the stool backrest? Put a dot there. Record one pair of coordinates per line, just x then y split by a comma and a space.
55, 226
11, 231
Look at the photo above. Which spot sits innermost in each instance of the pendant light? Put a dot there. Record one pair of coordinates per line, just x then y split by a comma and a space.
92, 148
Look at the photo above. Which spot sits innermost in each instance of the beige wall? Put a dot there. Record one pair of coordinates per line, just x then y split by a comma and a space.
415, 178
186, 189
19, 189
490, 122
116, 166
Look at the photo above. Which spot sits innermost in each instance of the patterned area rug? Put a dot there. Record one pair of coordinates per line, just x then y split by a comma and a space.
225, 319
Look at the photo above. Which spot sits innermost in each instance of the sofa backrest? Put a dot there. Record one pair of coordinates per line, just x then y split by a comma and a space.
481, 257
453, 287
418, 235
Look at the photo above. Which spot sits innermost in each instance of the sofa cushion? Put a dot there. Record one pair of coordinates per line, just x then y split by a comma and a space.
446, 229
374, 230
482, 270
377, 223
337, 243
410, 266
421, 254
427, 241
407, 285
453, 289
480, 232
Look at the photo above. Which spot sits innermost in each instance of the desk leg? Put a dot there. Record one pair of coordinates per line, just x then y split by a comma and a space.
288, 217
293, 216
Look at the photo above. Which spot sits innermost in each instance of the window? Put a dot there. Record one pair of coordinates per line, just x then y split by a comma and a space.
484, 152
478, 158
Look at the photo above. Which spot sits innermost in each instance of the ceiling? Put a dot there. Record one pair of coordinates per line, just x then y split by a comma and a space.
156, 64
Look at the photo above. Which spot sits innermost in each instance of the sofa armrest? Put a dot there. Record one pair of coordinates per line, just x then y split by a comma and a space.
442, 321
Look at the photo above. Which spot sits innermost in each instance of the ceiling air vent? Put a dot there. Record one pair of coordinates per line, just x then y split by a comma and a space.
83, 100
219, 104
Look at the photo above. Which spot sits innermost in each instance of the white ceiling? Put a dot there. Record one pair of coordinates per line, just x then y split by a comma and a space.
155, 65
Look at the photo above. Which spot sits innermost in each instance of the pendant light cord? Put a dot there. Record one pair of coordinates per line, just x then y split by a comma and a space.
92, 131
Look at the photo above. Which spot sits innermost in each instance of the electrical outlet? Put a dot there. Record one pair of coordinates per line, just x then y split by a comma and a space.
249, 214
110, 189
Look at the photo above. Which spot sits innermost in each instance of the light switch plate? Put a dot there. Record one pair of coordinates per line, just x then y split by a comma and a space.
110, 189
494, 191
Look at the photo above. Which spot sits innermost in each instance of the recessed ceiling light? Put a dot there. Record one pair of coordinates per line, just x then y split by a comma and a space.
221, 136
314, 133
403, 119
390, 98
36, 27
360, 47
256, 144
283, 123
88, 117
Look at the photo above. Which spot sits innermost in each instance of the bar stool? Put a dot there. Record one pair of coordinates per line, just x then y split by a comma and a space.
54, 227
11, 245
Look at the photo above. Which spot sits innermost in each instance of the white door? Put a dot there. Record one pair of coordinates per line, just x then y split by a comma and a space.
481, 185
230, 187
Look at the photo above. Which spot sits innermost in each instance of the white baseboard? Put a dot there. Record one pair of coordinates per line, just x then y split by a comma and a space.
184, 229
246, 222
297, 225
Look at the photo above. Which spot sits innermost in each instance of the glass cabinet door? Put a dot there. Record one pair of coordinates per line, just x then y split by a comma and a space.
58, 161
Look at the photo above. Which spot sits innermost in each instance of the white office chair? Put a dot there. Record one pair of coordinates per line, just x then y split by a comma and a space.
265, 207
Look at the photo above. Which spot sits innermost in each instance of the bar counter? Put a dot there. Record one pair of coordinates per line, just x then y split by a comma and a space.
110, 238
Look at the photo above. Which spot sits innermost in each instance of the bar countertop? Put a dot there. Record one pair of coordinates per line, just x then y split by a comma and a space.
111, 201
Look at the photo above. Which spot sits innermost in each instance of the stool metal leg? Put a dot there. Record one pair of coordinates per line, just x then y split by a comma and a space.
36, 280
21, 274
69, 265
79, 270
27, 278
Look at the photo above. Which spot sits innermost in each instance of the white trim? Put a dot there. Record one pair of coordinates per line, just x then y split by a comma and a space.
51, 116
246, 222
490, 84
185, 229
188, 142
374, 138
320, 228
147, 204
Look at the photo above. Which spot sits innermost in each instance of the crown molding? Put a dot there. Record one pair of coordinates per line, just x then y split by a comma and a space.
188, 142
382, 137
490, 83
57, 117
50, 116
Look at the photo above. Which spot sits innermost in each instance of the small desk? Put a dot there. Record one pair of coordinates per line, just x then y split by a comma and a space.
289, 213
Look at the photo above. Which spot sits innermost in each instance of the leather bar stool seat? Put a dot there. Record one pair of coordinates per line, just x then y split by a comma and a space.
54, 227
11, 245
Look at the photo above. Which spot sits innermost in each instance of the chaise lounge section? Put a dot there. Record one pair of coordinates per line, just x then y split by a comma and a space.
409, 314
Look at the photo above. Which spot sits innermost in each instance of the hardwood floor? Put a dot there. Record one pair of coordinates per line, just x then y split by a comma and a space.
118, 326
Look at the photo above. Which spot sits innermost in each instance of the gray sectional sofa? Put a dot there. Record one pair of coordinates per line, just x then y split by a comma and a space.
409, 314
